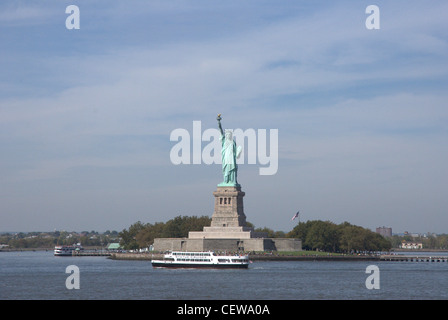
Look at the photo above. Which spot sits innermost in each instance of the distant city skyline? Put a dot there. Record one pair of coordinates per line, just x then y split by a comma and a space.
86, 113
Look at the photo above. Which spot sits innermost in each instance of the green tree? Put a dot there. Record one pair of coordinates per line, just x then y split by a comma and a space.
323, 235
128, 237
141, 235
352, 238
327, 236
270, 233
147, 235
181, 225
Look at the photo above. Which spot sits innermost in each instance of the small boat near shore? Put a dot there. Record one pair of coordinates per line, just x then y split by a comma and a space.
209, 259
67, 250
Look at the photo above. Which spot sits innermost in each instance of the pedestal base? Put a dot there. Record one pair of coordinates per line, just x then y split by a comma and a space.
222, 233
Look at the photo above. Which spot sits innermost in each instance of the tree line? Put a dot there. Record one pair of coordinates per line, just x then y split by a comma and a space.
345, 237
36, 240
142, 235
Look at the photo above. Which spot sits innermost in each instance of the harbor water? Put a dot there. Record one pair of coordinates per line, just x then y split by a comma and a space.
40, 275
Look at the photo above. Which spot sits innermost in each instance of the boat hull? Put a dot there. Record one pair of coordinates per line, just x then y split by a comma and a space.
176, 265
201, 260
65, 254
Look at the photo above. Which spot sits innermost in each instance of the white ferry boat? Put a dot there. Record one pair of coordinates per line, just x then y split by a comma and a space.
67, 250
180, 259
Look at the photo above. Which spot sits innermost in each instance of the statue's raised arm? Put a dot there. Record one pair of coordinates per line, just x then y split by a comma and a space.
219, 124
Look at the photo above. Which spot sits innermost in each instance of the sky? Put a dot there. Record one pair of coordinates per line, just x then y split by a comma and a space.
86, 114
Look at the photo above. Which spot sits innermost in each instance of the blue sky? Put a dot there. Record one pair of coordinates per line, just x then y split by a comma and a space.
86, 115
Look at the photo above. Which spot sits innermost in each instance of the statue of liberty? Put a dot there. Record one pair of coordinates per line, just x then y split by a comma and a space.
229, 154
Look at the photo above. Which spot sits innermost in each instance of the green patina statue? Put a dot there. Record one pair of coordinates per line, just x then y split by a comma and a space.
229, 154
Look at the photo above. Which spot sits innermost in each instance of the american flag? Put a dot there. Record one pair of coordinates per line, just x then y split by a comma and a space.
296, 215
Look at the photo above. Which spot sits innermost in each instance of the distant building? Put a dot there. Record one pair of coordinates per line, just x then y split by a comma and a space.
114, 247
411, 245
385, 232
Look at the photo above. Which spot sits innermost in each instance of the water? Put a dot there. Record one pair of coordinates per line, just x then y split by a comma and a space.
40, 275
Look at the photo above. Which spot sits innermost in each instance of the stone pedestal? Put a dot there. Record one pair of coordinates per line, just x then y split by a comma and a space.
229, 208
228, 219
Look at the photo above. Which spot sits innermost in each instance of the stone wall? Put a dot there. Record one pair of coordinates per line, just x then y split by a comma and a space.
253, 244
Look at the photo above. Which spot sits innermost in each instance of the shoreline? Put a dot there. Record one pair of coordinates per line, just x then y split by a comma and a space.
309, 256
45, 249
255, 257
